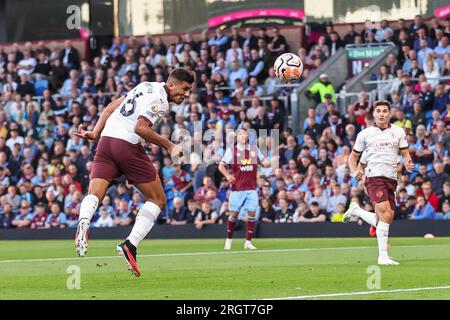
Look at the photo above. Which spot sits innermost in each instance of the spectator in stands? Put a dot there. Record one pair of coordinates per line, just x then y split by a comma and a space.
6, 216
39, 218
256, 66
267, 213
124, 215
118, 43
56, 218
336, 199
384, 33
178, 215
182, 181
105, 220
250, 40
392, 63
237, 72
278, 44
335, 43
284, 214
402, 121
254, 89
205, 216
439, 178
423, 52
314, 214
431, 71
319, 89
349, 38
219, 40
235, 53
338, 215
69, 56
271, 83
441, 50
235, 35
27, 64
424, 211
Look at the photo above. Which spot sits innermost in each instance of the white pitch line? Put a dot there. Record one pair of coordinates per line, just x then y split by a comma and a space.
343, 294
204, 253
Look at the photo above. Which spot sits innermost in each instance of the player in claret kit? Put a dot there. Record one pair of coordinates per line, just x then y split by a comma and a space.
383, 142
243, 162
123, 128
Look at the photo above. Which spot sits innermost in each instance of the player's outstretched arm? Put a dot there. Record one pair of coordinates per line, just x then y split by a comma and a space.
144, 130
407, 160
223, 170
94, 134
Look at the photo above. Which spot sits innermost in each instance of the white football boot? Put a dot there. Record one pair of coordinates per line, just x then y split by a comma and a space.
81, 238
249, 245
387, 261
228, 244
348, 214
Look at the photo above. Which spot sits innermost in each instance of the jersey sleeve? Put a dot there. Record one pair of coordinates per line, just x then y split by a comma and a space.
147, 103
228, 157
363, 159
403, 143
360, 143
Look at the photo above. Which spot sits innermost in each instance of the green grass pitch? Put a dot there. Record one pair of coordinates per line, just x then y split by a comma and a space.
200, 269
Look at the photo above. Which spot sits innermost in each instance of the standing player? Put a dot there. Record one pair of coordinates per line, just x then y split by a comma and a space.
243, 160
382, 143
124, 126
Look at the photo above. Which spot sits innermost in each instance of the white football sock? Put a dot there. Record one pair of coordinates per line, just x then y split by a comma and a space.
382, 237
367, 216
88, 207
145, 221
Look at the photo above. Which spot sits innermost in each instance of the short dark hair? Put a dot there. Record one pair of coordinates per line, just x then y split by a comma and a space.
314, 204
381, 103
182, 74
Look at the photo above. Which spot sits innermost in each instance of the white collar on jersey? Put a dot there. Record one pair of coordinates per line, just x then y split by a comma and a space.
388, 127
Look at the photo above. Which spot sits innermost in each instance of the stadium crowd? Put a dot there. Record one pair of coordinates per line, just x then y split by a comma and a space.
44, 169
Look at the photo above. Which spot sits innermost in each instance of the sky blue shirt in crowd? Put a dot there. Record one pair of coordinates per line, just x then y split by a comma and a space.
441, 50
62, 219
218, 41
259, 67
168, 172
241, 73
426, 213
422, 56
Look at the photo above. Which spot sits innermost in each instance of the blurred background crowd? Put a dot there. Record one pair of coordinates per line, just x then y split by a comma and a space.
45, 94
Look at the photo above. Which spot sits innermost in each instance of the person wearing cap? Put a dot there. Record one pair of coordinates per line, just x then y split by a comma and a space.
219, 98
211, 124
226, 117
320, 88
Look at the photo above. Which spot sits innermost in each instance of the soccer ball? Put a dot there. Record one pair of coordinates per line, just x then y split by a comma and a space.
288, 67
